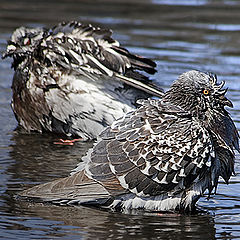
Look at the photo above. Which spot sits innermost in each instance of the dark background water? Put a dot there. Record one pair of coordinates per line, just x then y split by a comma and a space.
180, 36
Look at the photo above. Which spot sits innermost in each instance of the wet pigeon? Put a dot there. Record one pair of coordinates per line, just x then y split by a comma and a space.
74, 79
162, 156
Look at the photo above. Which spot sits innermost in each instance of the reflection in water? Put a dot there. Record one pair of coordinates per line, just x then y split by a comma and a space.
108, 225
194, 34
38, 160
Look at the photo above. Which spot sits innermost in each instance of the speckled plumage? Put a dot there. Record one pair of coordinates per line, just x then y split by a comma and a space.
162, 156
74, 79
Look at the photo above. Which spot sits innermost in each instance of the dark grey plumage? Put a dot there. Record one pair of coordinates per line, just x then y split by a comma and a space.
162, 156
74, 79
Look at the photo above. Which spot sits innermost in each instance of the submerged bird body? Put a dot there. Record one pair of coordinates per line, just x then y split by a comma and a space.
162, 156
74, 79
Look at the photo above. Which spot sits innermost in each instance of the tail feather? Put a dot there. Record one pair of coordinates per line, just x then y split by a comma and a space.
77, 188
139, 62
151, 89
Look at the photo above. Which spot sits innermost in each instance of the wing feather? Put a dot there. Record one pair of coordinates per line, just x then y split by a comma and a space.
77, 45
149, 159
76, 187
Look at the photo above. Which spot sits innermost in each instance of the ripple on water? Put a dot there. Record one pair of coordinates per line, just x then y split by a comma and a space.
180, 36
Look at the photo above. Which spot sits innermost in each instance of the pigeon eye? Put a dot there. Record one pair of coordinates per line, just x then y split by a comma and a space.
27, 41
205, 92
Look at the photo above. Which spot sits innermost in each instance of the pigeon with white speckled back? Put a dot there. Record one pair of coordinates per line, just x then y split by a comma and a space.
162, 156
74, 79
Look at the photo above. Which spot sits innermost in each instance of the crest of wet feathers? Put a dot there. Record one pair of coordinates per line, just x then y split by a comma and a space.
162, 156
74, 79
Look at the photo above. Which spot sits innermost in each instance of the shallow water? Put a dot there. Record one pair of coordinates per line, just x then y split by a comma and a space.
193, 34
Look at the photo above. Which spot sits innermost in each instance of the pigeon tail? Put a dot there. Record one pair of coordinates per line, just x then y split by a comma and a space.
77, 188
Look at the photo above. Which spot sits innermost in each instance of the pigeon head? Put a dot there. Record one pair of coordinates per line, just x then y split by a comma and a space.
198, 92
22, 44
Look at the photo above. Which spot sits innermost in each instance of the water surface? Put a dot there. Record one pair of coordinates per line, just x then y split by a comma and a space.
179, 36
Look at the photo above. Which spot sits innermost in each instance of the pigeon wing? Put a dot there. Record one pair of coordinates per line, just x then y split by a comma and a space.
91, 51
154, 150
83, 44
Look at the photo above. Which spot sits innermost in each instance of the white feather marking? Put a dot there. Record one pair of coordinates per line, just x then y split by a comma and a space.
175, 179
168, 150
165, 168
164, 180
174, 167
172, 160
76, 56
89, 48
182, 174
106, 70
122, 181
204, 153
49, 38
195, 192
195, 161
70, 40
141, 194
84, 164
186, 147
58, 40
209, 162
66, 60
147, 126
112, 168
212, 153
146, 169
61, 50
157, 166
155, 203
59, 35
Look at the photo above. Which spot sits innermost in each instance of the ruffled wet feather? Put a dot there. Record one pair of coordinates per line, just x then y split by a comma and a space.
163, 156
74, 79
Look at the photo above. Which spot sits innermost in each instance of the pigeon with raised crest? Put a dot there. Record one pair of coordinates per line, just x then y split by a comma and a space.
162, 156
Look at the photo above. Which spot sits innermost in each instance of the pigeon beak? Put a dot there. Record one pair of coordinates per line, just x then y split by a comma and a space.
10, 50
226, 102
